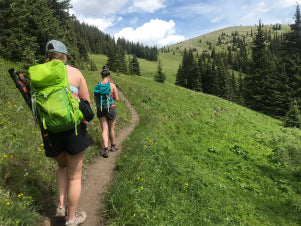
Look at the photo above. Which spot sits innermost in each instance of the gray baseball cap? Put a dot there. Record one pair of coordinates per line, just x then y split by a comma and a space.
56, 46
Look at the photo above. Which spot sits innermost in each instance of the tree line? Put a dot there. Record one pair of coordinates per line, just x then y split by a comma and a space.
268, 80
27, 25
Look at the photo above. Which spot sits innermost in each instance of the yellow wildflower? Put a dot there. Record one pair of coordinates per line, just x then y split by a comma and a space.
8, 203
186, 185
42, 145
20, 195
5, 156
15, 105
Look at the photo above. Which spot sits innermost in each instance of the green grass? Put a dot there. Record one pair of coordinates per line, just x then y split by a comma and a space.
195, 159
27, 179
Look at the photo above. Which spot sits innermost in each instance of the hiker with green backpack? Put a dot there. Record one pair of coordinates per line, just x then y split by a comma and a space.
55, 92
105, 93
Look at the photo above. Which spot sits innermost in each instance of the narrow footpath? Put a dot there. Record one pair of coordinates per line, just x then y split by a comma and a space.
98, 176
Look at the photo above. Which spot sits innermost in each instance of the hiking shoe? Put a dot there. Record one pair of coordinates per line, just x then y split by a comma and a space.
61, 211
114, 147
80, 217
105, 153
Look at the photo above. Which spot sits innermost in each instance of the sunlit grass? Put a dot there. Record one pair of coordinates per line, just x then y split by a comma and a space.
195, 159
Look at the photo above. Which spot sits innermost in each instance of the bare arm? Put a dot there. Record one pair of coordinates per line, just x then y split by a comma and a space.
115, 92
83, 89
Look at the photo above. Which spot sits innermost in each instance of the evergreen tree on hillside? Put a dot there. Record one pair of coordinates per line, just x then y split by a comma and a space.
257, 82
134, 66
16, 35
233, 89
293, 116
160, 76
240, 91
291, 56
180, 77
112, 52
120, 62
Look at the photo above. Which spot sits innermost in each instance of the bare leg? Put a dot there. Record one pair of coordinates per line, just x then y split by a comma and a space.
111, 124
74, 172
104, 127
61, 178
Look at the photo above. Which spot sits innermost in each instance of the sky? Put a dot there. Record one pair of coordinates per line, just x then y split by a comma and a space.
165, 22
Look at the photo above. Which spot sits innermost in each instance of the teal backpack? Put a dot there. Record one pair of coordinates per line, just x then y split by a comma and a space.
102, 92
53, 102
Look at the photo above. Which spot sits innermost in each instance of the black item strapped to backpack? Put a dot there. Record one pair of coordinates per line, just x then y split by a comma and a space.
85, 108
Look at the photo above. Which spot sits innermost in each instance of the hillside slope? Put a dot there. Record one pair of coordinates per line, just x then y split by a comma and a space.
201, 43
195, 159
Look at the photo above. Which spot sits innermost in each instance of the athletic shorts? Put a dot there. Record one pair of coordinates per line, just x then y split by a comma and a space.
56, 143
110, 115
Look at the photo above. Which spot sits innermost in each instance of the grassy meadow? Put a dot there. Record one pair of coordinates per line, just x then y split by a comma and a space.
194, 159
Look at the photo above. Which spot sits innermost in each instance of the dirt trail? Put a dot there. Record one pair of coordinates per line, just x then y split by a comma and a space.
98, 176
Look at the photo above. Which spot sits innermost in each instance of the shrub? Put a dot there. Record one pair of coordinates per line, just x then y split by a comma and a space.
293, 116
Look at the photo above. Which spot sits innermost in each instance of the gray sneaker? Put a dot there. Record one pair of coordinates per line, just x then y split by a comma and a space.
80, 217
114, 147
105, 153
61, 211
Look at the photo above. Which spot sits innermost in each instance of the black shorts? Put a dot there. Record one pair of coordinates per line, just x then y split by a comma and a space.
56, 143
110, 115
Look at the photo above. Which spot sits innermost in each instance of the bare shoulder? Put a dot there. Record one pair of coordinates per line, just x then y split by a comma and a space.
113, 85
74, 71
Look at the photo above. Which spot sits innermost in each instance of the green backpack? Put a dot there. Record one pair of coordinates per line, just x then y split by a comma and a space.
53, 101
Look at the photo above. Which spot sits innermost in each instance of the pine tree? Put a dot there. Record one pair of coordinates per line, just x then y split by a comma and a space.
258, 81
180, 77
134, 66
291, 55
233, 89
160, 76
240, 91
293, 116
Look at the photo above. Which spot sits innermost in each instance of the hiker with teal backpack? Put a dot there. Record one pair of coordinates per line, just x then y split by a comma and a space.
105, 93
55, 92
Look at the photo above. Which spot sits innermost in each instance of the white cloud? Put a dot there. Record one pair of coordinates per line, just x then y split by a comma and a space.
171, 39
98, 8
100, 23
149, 6
104, 8
103, 23
151, 33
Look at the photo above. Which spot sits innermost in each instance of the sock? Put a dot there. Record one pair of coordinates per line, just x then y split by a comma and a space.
72, 221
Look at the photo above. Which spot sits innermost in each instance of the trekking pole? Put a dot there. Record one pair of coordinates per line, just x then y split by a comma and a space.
22, 85
24, 89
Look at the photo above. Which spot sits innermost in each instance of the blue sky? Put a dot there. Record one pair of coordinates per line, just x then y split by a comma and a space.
162, 22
